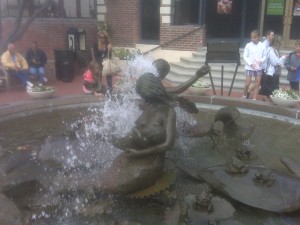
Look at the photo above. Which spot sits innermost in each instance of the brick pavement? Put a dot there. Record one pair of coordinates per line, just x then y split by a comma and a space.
18, 92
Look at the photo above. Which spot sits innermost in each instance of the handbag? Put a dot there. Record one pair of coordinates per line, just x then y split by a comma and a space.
110, 67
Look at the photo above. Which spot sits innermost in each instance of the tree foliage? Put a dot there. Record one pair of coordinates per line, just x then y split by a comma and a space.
21, 24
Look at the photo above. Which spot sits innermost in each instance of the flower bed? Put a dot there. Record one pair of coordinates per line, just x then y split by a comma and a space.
200, 84
287, 94
285, 98
41, 92
42, 88
200, 87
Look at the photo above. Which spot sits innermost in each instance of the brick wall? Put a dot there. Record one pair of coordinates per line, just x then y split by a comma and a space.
187, 38
123, 16
51, 33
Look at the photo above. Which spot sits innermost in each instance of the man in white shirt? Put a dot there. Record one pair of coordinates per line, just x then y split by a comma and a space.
269, 38
267, 42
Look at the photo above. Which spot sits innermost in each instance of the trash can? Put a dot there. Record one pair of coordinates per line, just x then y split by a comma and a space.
64, 64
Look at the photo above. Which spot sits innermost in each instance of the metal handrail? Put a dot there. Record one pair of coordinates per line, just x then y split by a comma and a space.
176, 38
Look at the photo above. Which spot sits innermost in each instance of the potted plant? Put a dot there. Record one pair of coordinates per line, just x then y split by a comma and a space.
285, 97
123, 55
200, 87
41, 92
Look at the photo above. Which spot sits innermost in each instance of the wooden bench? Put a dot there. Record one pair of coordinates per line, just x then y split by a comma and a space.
5, 79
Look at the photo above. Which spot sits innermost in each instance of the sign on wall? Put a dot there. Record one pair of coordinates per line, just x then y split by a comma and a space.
275, 7
296, 11
71, 41
224, 6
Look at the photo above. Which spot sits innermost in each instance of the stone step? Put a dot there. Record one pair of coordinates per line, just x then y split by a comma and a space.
189, 70
179, 78
187, 67
195, 66
237, 86
216, 79
202, 52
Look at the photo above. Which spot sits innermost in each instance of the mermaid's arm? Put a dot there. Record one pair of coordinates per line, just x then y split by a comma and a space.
185, 85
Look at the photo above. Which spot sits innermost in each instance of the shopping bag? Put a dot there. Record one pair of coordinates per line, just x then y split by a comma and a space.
110, 67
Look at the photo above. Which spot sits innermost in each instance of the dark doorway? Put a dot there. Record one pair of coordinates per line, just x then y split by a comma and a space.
234, 22
252, 14
150, 20
272, 22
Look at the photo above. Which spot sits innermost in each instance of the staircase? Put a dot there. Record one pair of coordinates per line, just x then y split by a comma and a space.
187, 67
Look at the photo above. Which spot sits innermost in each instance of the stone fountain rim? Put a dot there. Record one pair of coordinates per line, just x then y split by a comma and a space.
251, 107
256, 108
20, 109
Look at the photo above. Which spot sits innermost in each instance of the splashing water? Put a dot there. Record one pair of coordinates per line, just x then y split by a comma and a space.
114, 118
86, 150
139, 65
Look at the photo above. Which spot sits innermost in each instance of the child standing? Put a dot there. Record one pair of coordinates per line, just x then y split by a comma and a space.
92, 81
272, 69
254, 56
292, 64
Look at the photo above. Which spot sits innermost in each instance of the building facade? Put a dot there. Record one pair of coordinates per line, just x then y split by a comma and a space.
188, 24
173, 24
63, 25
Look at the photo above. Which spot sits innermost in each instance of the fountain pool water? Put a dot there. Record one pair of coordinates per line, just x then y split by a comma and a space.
51, 159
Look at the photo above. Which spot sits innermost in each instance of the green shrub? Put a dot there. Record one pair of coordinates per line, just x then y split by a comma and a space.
125, 53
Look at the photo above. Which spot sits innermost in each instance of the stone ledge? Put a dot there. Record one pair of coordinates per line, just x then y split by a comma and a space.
265, 107
8, 111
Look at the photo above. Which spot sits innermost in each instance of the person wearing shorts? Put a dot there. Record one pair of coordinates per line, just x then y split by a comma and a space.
254, 56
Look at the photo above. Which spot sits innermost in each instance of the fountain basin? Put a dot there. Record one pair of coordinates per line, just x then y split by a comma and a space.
196, 148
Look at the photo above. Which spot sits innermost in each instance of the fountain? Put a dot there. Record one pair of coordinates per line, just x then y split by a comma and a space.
56, 157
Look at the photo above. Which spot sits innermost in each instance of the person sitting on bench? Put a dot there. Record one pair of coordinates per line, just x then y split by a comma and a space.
37, 59
16, 65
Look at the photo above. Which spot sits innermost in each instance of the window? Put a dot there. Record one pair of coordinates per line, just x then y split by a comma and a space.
70, 8
82, 8
9, 8
88, 9
57, 8
186, 12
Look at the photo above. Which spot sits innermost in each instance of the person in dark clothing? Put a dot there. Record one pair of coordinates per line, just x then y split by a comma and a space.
101, 50
292, 64
37, 59
272, 70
